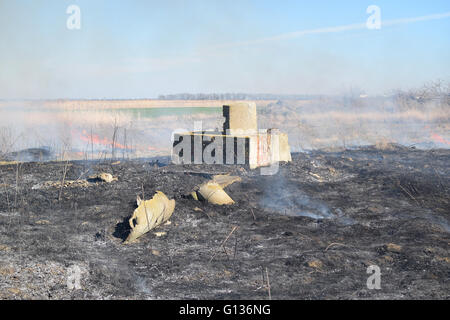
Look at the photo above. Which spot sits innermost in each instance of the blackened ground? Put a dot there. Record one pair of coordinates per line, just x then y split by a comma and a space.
308, 232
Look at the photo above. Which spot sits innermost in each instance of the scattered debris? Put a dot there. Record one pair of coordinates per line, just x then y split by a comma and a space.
57, 184
225, 180
4, 271
79, 183
5, 163
319, 178
160, 234
150, 214
334, 244
14, 291
103, 177
212, 191
39, 255
42, 222
316, 264
156, 164
392, 247
444, 259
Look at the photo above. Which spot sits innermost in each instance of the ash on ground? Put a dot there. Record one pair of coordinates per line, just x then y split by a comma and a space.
309, 232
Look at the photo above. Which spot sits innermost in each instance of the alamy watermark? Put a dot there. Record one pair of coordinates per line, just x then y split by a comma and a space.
374, 281
374, 20
233, 147
73, 281
74, 20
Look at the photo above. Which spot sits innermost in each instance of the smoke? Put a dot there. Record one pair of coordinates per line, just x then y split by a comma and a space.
287, 199
418, 117
95, 129
140, 50
131, 129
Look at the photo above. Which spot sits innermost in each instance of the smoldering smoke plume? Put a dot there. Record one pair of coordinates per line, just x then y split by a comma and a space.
417, 117
286, 198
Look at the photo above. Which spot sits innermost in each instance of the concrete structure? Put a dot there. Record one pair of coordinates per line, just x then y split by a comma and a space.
240, 142
240, 116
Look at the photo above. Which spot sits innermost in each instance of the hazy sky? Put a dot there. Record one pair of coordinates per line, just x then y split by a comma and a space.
137, 49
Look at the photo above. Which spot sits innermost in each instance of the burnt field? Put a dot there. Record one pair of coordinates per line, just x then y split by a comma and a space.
308, 232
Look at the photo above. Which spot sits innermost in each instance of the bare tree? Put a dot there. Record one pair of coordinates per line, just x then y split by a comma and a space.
437, 91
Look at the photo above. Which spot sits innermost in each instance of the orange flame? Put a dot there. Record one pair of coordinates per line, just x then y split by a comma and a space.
437, 137
96, 139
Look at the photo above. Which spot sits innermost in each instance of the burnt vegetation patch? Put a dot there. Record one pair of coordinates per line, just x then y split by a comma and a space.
309, 231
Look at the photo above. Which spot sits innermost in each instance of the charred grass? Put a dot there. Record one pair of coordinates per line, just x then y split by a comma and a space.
380, 207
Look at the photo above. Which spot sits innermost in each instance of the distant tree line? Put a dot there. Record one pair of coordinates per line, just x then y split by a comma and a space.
233, 96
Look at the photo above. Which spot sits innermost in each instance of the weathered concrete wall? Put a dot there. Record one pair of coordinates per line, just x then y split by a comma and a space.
209, 148
240, 142
240, 116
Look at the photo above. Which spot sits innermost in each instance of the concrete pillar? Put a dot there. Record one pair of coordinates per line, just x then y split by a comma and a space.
240, 116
